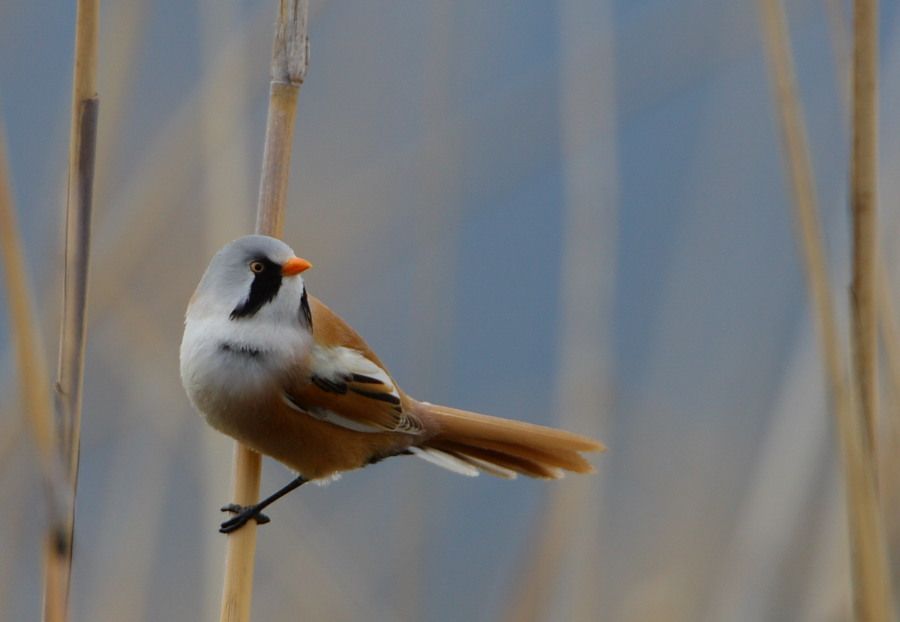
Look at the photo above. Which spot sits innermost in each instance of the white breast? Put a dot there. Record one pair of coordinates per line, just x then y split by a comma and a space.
229, 366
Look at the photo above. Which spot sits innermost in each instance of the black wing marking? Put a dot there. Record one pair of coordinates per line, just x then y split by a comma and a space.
305, 312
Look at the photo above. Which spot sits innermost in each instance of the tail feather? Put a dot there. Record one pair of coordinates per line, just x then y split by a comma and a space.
562, 458
488, 467
504, 461
526, 448
446, 459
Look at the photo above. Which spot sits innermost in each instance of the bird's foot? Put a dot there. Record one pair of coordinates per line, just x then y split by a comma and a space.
243, 514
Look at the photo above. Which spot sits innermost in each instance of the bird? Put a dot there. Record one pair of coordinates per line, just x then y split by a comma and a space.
273, 367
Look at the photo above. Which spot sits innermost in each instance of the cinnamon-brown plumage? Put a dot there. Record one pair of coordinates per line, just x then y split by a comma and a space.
319, 449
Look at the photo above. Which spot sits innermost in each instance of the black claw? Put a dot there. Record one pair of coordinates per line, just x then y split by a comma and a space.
243, 515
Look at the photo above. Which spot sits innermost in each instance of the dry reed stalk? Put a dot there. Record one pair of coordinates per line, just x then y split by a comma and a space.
888, 459
290, 57
35, 391
864, 201
864, 204
872, 600
82, 152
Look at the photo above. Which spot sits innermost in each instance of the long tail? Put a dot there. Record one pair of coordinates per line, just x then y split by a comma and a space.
468, 442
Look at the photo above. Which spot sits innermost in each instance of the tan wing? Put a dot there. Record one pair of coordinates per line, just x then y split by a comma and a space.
348, 386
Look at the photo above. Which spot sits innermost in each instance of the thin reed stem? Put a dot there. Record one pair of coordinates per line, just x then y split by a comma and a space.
868, 557
872, 597
72, 338
35, 391
887, 458
290, 58
289, 63
863, 175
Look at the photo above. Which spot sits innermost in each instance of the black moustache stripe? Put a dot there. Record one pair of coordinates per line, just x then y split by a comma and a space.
263, 290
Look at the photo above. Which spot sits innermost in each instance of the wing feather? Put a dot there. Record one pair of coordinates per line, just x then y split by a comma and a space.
346, 384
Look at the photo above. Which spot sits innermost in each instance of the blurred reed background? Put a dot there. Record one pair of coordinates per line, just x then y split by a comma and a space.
572, 212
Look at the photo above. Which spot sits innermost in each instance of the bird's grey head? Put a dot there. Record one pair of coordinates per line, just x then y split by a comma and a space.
255, 276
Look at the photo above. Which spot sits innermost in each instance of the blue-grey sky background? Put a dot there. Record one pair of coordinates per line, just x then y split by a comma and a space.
431, 174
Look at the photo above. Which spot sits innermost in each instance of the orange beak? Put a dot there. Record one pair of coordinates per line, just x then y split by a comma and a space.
294, 265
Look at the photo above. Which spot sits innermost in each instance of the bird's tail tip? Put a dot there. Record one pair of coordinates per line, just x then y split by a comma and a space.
506, 448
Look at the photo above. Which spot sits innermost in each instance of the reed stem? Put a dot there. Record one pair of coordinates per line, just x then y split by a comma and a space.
72, 338
872, 597
863, 176
35, 395
868, 557
73, 328
290, 55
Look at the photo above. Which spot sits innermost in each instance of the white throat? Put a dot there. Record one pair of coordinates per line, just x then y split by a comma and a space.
227, 363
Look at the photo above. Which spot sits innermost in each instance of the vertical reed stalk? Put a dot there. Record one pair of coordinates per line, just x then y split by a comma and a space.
872, 600
290, 59
887, 458
863, 176
82, 151
36, 401
290, 56
864, 203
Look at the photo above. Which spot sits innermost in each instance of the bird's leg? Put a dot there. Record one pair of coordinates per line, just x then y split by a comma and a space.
254, 512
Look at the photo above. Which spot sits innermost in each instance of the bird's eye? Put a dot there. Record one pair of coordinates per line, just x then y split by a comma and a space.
257, 266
